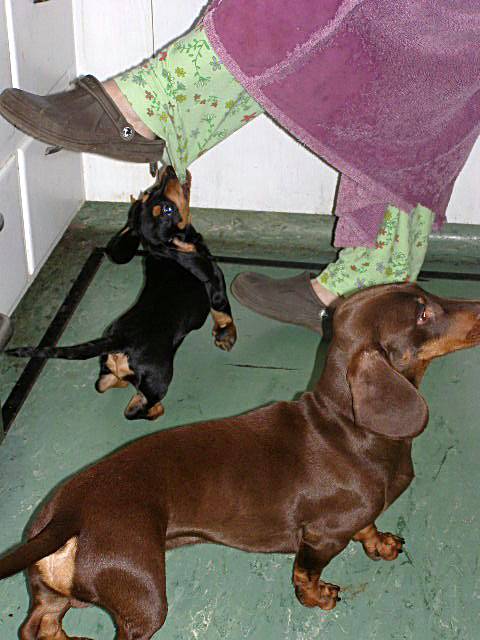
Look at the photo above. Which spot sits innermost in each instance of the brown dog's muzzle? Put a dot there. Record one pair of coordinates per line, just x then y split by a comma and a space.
462, 329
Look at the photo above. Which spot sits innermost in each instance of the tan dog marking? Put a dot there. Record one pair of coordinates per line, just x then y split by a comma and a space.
156, 411
57, 570
463, 335
136, 402
221, 319
184, 247
156, 211
118, 365
110, 381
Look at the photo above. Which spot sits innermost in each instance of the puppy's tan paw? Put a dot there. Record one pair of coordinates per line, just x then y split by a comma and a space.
225, 337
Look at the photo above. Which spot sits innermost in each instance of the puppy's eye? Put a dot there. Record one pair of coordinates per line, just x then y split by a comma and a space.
168, 209
422, 313
163, 209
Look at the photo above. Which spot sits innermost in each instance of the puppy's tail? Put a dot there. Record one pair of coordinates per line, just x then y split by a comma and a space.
83, 351
49, 540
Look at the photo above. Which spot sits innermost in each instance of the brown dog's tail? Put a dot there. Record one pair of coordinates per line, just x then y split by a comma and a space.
83, 351
49, 540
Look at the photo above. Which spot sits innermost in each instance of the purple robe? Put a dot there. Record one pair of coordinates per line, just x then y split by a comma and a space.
387, 92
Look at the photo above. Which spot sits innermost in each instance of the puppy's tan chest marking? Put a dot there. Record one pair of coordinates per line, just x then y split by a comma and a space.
118, 365
57, 569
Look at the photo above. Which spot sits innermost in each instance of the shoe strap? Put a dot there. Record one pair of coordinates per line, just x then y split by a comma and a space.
96, 90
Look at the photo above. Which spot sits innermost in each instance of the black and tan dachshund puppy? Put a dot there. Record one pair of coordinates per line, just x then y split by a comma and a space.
182, 284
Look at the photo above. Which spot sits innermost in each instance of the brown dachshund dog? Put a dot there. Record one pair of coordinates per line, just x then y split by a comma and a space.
301, 477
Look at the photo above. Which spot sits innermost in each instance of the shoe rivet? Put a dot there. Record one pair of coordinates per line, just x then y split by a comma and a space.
127, 133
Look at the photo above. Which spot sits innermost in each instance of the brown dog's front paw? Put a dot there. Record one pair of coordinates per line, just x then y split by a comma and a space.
317, 593
385, 546
225, 337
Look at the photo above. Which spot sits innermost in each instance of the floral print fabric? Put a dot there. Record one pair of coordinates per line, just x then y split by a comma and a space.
397, 256
187, 97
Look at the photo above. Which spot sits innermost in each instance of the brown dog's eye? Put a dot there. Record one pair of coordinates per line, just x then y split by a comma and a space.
422, 314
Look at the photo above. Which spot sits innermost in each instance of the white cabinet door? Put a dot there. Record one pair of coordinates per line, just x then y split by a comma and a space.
39, 195
52, 192
13, 260
7, 132
43, 45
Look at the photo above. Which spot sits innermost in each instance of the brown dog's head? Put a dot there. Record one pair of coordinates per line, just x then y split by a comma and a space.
154, 218
390, 334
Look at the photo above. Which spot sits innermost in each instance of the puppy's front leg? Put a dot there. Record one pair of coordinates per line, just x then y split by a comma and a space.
312, 557
196, 257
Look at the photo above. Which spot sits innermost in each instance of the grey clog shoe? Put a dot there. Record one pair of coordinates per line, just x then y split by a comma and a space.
83, 119
291, 300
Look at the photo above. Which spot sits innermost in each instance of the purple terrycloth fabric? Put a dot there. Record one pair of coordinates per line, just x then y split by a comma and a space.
388, 92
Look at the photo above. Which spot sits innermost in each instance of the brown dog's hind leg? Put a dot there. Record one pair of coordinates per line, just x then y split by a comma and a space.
378, 545
44, 621
133, 589
310, 561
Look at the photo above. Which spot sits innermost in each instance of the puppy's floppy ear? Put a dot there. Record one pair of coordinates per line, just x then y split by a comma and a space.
384, 402
123, 246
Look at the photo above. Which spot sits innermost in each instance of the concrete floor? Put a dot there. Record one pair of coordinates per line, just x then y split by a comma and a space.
431, 592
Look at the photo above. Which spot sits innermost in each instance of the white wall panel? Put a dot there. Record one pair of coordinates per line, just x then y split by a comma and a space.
13, 259
464, 204
111, 35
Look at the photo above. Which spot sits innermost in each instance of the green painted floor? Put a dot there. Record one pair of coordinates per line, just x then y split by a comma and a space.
432, 592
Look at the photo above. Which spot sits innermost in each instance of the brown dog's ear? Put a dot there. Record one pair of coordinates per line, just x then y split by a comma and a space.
383, 400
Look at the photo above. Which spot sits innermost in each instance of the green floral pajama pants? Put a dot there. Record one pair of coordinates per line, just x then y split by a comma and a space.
186, 96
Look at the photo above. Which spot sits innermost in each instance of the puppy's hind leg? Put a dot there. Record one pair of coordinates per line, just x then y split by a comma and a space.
152, 388
111, 377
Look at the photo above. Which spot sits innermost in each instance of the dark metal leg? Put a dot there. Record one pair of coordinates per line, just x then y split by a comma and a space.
6, 330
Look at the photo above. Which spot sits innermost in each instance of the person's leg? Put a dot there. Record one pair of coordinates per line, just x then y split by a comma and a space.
183, 98
187, 97
397, 256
